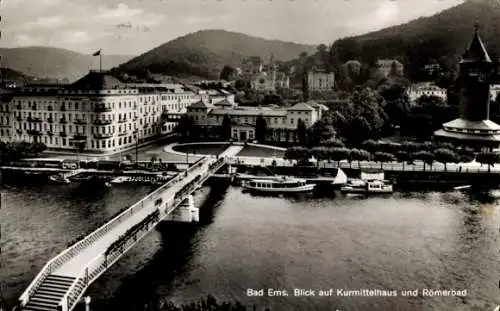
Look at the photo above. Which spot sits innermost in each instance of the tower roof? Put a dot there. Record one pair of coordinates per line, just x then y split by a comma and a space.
476, 51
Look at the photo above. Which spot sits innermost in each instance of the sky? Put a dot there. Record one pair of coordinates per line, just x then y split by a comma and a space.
133, 27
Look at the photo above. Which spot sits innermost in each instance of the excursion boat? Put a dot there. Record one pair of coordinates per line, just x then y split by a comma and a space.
369, 183
278, 185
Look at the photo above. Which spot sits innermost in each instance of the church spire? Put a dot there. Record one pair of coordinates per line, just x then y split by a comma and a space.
476, 51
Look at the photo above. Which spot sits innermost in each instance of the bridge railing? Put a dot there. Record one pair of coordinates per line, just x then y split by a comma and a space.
99, 264
76, 248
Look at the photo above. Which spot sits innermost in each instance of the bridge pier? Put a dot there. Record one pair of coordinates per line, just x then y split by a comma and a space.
186, 212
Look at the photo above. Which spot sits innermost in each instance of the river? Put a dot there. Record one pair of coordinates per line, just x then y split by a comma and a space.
407, 241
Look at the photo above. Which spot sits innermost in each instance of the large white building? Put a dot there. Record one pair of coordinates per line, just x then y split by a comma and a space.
281, 122
418, 90
97, 113
320, 81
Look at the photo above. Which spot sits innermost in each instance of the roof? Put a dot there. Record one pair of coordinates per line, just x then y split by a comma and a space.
301, 106
98, 80
200, 104
467, 137
224, 102
249, 112
476, 52
353, 61
473, 125
315, 104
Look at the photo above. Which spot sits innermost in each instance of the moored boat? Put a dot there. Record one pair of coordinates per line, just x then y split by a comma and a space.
369, 183
281, 184
367, 187
59, 179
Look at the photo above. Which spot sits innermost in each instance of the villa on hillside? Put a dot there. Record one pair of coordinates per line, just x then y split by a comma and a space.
281, 122
415, 91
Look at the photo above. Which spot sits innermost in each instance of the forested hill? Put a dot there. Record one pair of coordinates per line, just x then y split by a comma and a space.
206, 52
442, 37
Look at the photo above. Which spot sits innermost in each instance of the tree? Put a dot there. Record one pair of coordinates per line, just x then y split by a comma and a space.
402, 156
272, 99
301, 132
227, 73
320, 153
383, 157
298, 153
38, 148
359, 155
445, 156
260, 128
339, 154
185, 125
426, 157
489, 158
394, 69
332, 142
320, 132
371, 145
226, 127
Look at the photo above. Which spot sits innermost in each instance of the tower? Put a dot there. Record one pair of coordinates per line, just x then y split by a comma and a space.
476, 71
473, 128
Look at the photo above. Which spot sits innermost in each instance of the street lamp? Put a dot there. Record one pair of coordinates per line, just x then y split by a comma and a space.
87, 303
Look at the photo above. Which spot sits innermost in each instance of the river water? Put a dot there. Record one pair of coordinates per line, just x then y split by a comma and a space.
407, 241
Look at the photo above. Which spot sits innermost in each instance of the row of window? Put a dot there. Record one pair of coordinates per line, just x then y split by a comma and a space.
471, 131
75, 128
54, 141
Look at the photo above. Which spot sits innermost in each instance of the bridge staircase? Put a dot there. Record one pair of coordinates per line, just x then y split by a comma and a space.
64, 279
48, 296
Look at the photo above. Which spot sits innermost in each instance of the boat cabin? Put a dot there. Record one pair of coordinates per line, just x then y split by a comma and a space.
277, 184
375, 185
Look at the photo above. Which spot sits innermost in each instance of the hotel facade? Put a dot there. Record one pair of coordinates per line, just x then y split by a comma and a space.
96, 114
281, 122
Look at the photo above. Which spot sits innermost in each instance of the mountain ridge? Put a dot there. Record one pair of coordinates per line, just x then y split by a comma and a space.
205, 52
54, 62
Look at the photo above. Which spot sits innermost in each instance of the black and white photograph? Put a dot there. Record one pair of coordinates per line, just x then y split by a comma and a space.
249, 155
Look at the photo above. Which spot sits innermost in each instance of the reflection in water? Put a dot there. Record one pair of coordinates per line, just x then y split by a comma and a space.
171, 261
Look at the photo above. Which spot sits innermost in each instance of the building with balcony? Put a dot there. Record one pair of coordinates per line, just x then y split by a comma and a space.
97, 113
319, 80
281, 122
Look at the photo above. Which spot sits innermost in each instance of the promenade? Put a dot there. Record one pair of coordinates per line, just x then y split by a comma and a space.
470, 167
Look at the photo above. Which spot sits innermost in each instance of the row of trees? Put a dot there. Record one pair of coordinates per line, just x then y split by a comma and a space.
14, 151
391, 153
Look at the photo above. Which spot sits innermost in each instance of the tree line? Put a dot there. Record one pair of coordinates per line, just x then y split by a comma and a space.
383, 152
14, 151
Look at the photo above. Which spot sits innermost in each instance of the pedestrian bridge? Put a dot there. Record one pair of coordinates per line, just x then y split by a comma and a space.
64, 279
